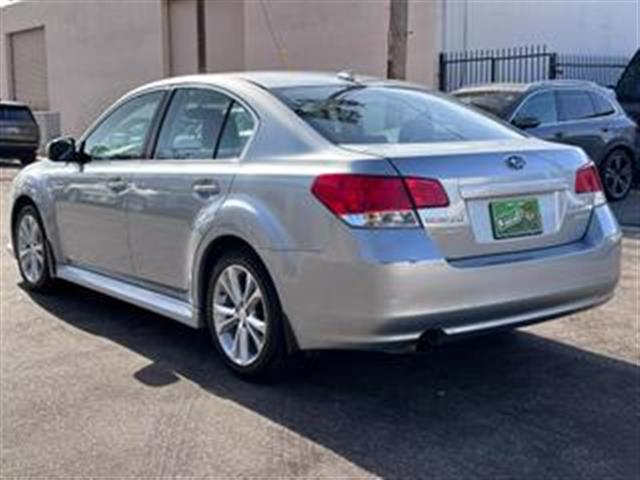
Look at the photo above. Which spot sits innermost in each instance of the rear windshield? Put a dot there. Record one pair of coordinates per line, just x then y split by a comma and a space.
15, 114
373, 114
497, 103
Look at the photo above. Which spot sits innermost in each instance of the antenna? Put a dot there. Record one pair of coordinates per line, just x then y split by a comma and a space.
347, 76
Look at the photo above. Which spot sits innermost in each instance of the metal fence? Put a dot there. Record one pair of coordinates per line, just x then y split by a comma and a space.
524, 64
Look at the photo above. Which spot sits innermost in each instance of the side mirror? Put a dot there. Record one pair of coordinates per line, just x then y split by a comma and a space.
64, 150
525, 123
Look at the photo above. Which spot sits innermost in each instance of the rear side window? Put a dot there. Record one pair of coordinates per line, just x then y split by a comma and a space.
601, 105
238, 129
193, 124
541, 106
575, 105
15, 114
360, 114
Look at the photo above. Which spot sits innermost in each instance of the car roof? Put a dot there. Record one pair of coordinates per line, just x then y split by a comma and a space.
282, 79
528, 87
12, 103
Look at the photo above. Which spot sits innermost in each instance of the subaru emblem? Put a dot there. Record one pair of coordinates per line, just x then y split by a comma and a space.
515, 162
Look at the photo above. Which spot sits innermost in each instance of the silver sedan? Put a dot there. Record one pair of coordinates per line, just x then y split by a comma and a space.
302, 211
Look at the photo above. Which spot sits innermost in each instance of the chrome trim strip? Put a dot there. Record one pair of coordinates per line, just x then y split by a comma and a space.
527, 317
156, 302
515, 188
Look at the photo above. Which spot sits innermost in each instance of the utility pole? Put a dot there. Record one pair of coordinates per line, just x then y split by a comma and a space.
397, 41
201, 36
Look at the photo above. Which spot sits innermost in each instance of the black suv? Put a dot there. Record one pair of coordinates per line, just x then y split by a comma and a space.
19, 132
575, 112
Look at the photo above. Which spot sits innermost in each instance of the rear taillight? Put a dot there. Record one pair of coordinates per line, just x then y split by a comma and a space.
588, 180
377, 201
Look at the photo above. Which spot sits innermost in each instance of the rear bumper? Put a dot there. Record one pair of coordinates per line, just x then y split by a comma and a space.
390, 304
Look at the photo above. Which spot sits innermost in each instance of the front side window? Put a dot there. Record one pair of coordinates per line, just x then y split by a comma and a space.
122, 135
575, 105
193, 123
496, 103
540, 106
373, 114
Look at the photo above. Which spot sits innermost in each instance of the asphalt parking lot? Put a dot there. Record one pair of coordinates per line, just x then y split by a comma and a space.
93, 387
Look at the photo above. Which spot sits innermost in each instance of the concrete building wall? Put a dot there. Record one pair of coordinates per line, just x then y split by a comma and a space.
224, 23
604, 27
317, 35
96, 51
183, 38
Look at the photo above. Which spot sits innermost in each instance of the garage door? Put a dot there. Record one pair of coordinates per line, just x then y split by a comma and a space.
29, 68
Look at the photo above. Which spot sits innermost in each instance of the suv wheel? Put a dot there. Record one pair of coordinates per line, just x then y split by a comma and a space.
244, 315
30, 247
617, 174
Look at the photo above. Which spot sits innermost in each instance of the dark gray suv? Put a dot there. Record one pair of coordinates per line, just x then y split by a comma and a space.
19, 132
574, 112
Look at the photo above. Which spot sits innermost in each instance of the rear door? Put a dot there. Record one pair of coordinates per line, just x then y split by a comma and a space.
198, 148
580, 125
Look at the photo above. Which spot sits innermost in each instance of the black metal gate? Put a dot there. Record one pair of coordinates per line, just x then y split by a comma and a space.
524, 64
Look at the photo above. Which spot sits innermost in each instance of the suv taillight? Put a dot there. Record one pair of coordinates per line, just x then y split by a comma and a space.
377, 201
588, 180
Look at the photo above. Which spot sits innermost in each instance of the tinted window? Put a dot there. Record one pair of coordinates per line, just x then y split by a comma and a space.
237, 131
15, 114
575, 105
366, 115
493, 102
541, 106
629, 85
192, 125
123, 133
601, 105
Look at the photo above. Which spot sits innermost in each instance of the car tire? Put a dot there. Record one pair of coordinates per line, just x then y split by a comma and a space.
253, 345
616, 172
32, 253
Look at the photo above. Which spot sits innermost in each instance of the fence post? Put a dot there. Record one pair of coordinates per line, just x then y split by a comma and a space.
442, 72
553, 66
493, 68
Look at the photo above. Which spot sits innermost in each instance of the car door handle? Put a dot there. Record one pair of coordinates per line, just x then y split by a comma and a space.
116, 184
559, 135
206, 188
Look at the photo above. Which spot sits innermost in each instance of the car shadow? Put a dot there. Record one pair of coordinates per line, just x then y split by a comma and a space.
506, 406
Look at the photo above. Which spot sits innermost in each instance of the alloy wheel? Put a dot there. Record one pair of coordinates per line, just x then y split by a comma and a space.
618, 175
239, 315
31, 248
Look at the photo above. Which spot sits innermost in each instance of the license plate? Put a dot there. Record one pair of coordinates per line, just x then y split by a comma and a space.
515, 218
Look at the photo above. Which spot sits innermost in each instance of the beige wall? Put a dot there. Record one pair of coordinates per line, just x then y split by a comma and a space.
96, 51
318, 35
224, 20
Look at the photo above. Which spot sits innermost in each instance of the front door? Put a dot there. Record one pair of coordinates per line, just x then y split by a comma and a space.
180, 189
91, 199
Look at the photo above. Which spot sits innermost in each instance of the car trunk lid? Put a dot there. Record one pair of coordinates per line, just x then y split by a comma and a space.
484, 178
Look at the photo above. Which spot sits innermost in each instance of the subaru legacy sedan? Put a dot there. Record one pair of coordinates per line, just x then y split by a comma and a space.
567, 111
290, 212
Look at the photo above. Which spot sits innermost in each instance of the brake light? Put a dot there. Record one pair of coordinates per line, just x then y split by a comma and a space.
588, 180
427, 193
377, 201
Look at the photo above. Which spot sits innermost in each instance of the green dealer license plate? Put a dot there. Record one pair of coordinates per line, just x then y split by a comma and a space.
515, 218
